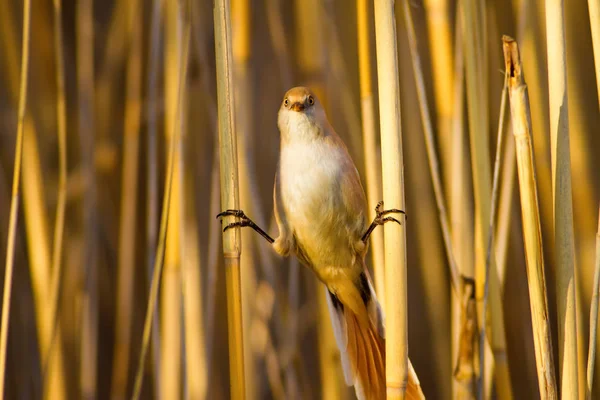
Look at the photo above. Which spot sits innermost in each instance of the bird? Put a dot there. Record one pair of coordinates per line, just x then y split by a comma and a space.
320, 209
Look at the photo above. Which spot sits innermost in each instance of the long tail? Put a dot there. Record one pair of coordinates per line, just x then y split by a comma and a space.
362, 350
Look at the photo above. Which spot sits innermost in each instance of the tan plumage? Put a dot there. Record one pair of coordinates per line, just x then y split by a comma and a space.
320, 208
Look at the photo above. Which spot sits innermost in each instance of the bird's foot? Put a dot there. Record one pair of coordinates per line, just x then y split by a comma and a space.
244, 221
380, 218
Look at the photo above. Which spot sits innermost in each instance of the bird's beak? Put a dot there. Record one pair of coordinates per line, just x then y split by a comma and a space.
297, 107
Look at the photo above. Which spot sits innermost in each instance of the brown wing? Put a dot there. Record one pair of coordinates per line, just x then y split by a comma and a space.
285, 241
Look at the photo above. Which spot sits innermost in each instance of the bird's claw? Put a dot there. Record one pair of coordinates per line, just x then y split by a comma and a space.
233, 213
245, 221
380, 212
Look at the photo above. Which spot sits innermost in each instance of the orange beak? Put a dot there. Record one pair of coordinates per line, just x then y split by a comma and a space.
297, 107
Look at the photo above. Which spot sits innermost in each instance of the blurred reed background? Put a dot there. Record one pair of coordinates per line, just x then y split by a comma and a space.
104, 109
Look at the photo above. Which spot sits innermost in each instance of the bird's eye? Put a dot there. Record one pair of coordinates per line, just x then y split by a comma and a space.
286, 102
311, 100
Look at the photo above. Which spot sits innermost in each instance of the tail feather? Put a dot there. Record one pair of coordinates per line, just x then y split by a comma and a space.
362, 350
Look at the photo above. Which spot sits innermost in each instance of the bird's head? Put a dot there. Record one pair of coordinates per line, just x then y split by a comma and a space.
301, 113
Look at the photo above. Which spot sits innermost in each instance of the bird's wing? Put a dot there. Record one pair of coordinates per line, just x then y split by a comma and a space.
284, 243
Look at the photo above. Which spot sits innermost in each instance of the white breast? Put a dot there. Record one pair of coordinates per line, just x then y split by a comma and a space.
310, 174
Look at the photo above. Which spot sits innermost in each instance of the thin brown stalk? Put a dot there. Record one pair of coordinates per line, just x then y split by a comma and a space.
61, 118
164, 221
562, 198
14, 203
127, 230
152, 172
521, 123
229, 194
393, 195
373, 173
594, 317
89, 301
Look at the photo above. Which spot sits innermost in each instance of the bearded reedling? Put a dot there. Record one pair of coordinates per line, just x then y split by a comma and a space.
320, 208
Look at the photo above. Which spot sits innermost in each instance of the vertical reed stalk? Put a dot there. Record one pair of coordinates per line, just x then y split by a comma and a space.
195, 358
241, 50
170, 310
370, 140
14, 203
393, 196
165, 214
152, 172
52, 362
521, 123
594, 10
129, 189
229, 194
61, 119
594, 317
562, 201
441, 47
89, 294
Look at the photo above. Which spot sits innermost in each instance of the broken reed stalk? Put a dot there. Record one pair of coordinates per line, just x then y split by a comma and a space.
129, 189
434, 165
14, 202
396, 344
373, 174
594, 317
562, 198
594, 10
164, 219
532, 235
232, 245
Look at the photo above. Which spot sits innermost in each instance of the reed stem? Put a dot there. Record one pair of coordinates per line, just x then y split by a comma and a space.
129, 192
229, 194
393, 196
370, 140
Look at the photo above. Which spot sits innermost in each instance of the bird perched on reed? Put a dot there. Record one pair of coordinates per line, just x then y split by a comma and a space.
320, 208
